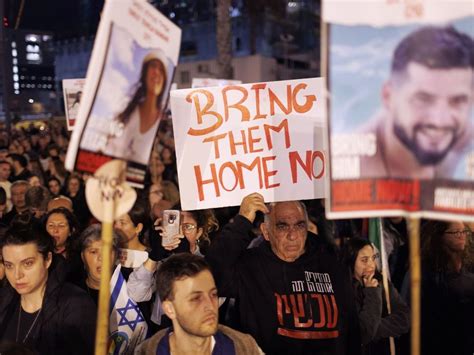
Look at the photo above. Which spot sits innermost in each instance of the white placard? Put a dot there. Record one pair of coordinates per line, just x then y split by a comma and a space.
72, 92
127, 88
234, 140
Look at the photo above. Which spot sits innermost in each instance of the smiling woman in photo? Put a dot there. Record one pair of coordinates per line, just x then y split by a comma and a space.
138, 122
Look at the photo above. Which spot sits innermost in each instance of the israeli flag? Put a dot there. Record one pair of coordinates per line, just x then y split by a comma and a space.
127, 326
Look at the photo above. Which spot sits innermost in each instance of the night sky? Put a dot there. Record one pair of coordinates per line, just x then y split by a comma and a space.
66, 18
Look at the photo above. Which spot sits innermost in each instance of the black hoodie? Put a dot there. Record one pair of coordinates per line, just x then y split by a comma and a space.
301, 307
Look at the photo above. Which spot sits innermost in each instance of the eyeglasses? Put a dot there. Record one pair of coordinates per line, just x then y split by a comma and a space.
188, 227
464, 233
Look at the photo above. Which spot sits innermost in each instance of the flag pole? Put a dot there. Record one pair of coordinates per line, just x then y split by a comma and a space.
385, 272
415, 280
103, 314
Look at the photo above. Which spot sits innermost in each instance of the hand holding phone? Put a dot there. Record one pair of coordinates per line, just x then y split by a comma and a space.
170, 224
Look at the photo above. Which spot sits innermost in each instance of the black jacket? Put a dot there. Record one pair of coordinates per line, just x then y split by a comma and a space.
67, 321
301, 307
376, 325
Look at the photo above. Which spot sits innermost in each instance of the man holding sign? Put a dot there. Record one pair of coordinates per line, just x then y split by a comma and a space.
293, 296
425, 128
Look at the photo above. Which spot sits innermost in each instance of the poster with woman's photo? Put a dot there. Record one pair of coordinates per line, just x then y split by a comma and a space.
401, 120
127, 88
72, 92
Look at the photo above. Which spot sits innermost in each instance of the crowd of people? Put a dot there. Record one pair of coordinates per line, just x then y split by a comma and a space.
275, 278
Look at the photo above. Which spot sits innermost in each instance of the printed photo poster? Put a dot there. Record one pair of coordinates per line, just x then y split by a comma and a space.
238, 139
205, 82
127, 88
72, 92
400, 108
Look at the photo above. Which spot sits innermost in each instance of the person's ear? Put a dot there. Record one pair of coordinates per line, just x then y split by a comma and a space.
139, 228
82, 258
49, 260
199, 233
169, 310
264, 230
387, 94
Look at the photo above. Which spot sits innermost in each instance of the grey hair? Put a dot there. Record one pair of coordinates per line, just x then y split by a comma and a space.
93, 233
20, 183
271, 205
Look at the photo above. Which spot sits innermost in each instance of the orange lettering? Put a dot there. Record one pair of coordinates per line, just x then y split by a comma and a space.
308, 103
243, 110
193, 97
257, 88
282, 126
274, 99
200, 182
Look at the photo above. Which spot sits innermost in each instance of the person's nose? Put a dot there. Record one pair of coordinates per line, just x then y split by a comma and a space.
441, 114
209, 302
18, 273
292, 235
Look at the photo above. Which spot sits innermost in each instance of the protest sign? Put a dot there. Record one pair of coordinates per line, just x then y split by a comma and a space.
126, 91
72, 92
206, 82
401, 124
234, 140
108, 195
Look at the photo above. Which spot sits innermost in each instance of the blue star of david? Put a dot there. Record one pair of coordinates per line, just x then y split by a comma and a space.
130, 306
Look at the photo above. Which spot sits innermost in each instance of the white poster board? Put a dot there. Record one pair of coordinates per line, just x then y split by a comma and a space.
72, 93
127, 88
238, 139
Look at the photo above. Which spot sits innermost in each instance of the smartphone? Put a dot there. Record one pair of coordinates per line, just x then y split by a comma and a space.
170, 225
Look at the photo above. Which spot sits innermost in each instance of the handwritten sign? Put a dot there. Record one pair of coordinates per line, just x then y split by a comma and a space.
108, 195
238, 139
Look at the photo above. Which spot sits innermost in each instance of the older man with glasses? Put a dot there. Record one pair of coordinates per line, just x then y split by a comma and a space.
293, 296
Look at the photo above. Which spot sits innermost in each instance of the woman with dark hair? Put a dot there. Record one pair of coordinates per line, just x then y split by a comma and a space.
447, 297
195, 227
376, 324
54, 186
76, 192
36, 308
133, 225
138, 122
61, 225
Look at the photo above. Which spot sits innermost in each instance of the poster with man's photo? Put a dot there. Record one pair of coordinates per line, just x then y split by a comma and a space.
127, 88
401, 121
72, 92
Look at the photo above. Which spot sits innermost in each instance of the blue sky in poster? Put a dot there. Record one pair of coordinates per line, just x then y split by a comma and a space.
359, 62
